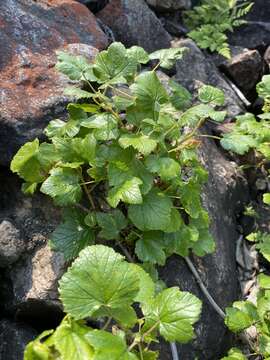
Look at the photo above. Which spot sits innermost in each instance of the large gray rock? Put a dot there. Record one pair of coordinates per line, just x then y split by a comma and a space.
224, 195
133, 23
31, 282
170, 5
31, 92
245, 68
260, 11
195, 67
35, 281
253, 35
11, 244
13, 339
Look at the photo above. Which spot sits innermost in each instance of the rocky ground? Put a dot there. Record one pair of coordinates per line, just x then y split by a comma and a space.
31, 94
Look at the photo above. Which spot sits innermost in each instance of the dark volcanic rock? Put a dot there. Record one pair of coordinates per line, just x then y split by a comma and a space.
31, 90
33, 278
225, 191
13, 339
245, 68
94, 5
35, 283
133, 23
253, 35
11, 244
194, 67
170, 5
260, 11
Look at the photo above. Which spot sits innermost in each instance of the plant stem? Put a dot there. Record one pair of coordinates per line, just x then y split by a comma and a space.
188, 136
136, 342
125, 251
88, 194
203, 288
157, 65
107, 323
210, 136
174, 351
141, 353
79, 206
243, 336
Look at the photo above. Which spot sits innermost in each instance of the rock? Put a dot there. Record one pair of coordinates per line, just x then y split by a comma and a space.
133, 23
13, 339
224, 195
34, 217
172, 23
170, 5
11, 245
260, 11
94, 5
253, 35
267, 56
245, 68
31, 91
30, 284
35, 281
194, 67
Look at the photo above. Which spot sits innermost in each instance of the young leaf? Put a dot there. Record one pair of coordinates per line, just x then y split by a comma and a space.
210, 94
114, 66
234, 354
129, 192
111, 224
77, 93
26, 163
139, 54
164, 167
150, 94
174, 312
196, 113
150, 248
168, 57
263, 87
73, 235
98, 278
72, 66
264, 281
266, 198
63, 186
142, 143
71, 341
181, 98
108, 346
238, 143
147, 285
37, 349
241, 316
153, 214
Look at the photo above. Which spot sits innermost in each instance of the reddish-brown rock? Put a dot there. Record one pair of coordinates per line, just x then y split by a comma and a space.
31, 91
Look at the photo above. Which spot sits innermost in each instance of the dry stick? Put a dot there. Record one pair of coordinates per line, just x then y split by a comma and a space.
243, 336
174, 351
203, 288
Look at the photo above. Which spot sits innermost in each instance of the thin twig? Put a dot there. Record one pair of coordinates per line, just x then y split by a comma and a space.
125, 251
107, 323
79, 206
244, 335
203, 288
188, 136
89, 196
174, 351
